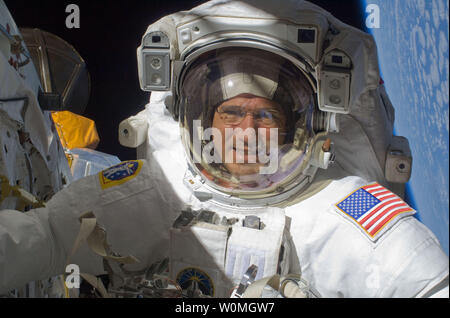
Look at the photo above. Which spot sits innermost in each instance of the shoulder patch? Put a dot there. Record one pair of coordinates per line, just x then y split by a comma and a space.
374, 209
119, 174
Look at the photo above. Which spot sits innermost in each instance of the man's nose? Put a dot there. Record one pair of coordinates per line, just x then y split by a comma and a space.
248, 121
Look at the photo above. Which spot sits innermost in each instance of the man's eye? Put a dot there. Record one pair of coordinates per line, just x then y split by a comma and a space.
232, 110
265, 114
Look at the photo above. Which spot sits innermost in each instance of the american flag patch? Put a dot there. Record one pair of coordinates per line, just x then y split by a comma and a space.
373, 207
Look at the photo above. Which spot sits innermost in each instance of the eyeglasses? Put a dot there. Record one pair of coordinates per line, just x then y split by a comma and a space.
234, 115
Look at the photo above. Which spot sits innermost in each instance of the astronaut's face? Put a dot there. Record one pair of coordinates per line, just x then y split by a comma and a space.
252, 119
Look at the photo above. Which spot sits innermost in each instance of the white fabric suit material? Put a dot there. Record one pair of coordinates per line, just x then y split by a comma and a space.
334, 255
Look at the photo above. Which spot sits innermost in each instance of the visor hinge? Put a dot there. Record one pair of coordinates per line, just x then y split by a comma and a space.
323, 154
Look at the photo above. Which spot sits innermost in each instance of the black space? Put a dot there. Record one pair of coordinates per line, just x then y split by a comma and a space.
110, 32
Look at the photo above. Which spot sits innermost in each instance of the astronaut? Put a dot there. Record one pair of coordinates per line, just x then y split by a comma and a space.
263, 159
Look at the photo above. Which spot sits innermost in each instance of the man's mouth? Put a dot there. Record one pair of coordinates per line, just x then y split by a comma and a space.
246, 154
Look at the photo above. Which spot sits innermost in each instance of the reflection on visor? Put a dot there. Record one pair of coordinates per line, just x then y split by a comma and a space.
240, 110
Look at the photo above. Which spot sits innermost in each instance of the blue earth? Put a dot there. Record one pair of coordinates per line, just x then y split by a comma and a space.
413, 49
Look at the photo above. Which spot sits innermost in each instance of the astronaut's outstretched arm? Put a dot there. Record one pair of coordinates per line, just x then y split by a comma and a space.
29, 249
35, 245
125, 202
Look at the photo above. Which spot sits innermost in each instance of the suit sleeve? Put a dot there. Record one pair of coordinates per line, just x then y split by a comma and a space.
423, 268
35, 245
128, 206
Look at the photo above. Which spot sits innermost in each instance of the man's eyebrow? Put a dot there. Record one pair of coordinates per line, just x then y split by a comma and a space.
269, 108
229, 106
272, 109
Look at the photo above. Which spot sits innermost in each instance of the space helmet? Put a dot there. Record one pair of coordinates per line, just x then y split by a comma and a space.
258, 89
240, 154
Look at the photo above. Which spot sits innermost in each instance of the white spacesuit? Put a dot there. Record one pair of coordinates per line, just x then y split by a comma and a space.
300, 191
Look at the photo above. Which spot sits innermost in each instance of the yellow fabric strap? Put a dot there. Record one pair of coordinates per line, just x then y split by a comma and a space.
97, 284
255, 289
95, 237
25, 198
289, 288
